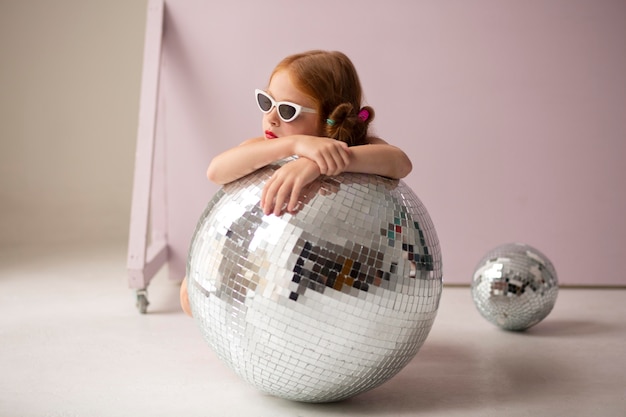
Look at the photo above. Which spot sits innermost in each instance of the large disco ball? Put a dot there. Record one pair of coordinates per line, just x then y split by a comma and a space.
514, 286
323, 304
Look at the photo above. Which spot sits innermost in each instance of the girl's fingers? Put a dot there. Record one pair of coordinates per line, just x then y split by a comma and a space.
269, 195
339, 162
264, 193
293, 199
331, 165
275, 195
281, 199
322, 163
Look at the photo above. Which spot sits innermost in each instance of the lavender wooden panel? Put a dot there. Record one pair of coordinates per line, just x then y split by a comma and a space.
512, 112
147, 242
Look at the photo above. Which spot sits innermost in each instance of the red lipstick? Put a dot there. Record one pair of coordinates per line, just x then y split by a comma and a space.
270, 135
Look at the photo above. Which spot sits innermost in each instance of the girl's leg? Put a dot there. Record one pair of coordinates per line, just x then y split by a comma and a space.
184, 298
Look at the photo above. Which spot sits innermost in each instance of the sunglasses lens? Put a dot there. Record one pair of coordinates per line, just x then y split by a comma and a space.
265, 103
286, 112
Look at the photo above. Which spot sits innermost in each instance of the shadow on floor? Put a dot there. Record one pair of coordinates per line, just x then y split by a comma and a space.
454, 377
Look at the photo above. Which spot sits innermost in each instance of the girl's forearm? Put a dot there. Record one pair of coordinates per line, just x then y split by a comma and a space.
379, 159
376, 158
246, 158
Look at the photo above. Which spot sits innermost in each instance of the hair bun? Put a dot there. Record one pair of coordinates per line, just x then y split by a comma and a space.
349, 124
342, 113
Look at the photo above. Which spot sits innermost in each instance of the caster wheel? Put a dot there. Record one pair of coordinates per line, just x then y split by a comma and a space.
142, 301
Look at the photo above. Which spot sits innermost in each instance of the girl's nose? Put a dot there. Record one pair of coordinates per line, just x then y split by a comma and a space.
272, 117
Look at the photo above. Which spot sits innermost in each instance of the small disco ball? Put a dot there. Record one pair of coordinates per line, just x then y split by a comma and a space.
323, 304
514, 286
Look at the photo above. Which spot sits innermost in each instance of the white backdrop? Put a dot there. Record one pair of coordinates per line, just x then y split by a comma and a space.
69, 92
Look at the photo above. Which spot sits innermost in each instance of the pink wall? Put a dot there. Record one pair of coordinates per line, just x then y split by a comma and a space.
513, 113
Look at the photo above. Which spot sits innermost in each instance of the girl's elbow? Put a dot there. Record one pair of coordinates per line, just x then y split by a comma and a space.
213, 176
210, 174
404, 168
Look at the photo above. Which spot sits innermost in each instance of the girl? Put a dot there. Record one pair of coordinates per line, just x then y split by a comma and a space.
312, 109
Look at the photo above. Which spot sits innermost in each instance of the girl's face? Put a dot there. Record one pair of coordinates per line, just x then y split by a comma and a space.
282, 89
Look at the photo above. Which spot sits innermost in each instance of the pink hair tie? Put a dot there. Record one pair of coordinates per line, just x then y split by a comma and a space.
364, 115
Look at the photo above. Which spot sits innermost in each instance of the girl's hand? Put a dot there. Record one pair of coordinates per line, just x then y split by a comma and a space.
331, 156
285, 186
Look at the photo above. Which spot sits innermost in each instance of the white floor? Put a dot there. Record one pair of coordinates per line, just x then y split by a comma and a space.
73, 344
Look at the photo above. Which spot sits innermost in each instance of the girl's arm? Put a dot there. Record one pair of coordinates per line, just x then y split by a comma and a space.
377, 157
330, 155
380, 158
246, 158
